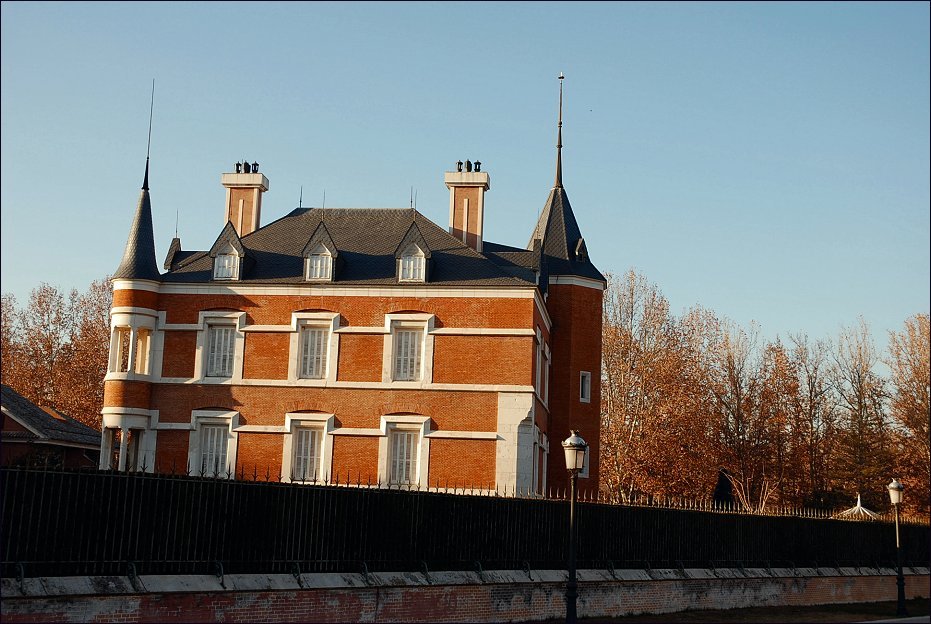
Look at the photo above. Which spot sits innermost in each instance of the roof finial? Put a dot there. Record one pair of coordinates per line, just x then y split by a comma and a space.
148, 145
559, 137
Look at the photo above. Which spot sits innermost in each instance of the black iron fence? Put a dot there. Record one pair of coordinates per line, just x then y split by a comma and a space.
60, 523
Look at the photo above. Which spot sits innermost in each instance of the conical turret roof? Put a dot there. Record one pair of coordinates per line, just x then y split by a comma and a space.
139, 256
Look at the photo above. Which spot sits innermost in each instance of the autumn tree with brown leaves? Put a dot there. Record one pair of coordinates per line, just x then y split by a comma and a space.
808, 423
911, 375
55, 350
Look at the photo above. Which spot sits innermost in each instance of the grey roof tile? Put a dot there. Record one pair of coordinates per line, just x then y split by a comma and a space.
366, 238
49, 428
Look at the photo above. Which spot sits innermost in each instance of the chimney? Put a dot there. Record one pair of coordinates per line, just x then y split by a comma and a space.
467, 202
244, 190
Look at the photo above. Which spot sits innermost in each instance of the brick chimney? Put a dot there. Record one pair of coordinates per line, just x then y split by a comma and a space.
244, 190
467, 186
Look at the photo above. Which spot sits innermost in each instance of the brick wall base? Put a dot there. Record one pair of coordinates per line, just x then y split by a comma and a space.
493, 596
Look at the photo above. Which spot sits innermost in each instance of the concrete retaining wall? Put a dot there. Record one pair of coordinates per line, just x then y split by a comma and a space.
493, 596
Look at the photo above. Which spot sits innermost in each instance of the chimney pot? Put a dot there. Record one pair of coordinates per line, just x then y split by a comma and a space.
255, 167
469, 165
246, 167
459, 166
478, 166
239, 167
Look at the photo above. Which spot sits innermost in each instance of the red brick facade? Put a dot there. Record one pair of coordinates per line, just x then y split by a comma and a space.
219, 373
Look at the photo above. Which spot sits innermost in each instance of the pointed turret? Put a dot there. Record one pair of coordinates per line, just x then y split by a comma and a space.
139, 257
563, 248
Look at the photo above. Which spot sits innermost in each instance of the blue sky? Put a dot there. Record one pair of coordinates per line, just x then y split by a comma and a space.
769, 161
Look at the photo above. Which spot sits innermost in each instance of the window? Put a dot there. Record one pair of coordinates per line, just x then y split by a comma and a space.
319, 264
306, 454
213, 442
308, 447
220, 350
143, 336
407, 347
133, 443
114, 446
585, 387
113, 437
313, 352
403, 450
122, 338
412, 265
213, 445
225, 266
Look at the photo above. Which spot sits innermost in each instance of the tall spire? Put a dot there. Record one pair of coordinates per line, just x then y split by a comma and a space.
558, 183
148, 145
139, 256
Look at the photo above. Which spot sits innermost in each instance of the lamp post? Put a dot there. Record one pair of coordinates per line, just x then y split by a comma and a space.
575, 448
895, 495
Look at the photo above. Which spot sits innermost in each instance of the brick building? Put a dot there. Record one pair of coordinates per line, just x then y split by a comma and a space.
367, 345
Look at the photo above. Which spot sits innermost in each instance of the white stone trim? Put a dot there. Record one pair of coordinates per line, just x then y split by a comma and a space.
136, 319
481, 331
266, 329
326, 424
395, 322
411, 422
514, 449
213, 417
314, 290
575, 280
135, 284
205, 318
126, 418
464, 435
357, 431
324, 320
260, 429
583, 375
358, 385
541, 307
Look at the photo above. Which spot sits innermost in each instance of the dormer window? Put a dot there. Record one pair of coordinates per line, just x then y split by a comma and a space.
226, 264
319, 264
412, 264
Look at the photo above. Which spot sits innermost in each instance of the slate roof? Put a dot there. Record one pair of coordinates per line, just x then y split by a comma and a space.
559, 234
48, 427
366, 238
139, 256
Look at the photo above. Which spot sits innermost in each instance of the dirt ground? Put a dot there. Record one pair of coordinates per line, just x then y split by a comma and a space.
858, 612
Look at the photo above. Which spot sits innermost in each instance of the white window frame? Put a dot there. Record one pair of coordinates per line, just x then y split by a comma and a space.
319, 261
226, 264
227, 419
139, 350
548, 361
324, 424
413, 423
585, 382
207, 319
401, 322
328, 321
412, 265
221, 349
538, 364
143, 422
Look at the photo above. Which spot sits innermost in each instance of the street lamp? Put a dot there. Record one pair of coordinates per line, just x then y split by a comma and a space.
895, 495
575, 448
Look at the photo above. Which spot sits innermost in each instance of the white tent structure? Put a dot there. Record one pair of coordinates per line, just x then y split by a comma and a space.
857, 512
